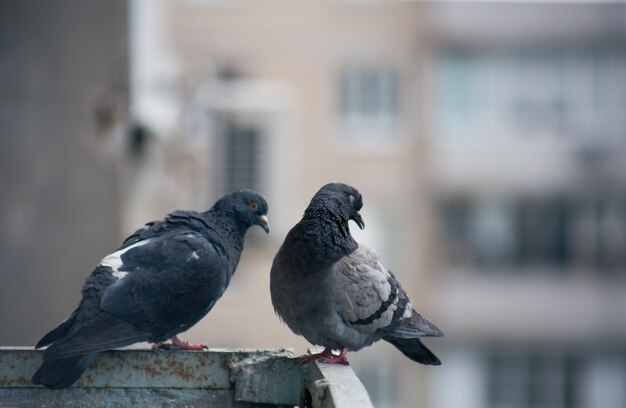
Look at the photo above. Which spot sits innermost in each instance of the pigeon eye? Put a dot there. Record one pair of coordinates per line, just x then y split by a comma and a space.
254, 206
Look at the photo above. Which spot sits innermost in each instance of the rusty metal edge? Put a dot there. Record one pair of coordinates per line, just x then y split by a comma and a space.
136, 368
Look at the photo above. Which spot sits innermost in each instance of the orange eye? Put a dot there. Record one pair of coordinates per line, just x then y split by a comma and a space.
254, 205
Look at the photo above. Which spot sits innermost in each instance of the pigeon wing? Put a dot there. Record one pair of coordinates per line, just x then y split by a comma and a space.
170, 281
371, 300
59, 332
174, 221
164, 286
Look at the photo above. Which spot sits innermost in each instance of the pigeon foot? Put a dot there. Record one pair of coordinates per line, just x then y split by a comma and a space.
183, 345
327, 356
178, 344
160, 346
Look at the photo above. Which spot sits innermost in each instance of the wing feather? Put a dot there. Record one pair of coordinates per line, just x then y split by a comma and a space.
166, 285
59, 332
367, 298
172, 281
103, 333
370, 299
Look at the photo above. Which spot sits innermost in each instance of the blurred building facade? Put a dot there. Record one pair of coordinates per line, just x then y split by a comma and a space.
285, 97
486, 139
529, 203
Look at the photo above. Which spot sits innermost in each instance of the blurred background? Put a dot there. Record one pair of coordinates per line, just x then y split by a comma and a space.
488, 140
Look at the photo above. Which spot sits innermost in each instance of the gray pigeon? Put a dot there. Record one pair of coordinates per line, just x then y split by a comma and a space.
159, 283
335, 292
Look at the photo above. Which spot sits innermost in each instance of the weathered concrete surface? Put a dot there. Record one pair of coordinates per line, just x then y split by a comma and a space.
118, 398
333, 386
135, 368
274, 378
215, 378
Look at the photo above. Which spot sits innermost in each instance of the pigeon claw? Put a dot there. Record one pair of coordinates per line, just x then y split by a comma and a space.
327, 356
178, 344
334, 360
183, 345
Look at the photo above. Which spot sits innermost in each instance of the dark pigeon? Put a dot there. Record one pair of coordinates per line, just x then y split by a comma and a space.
335, 292
162, 280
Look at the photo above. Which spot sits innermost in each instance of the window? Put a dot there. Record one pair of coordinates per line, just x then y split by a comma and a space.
368, 99
241, 162
533, 379
507, 374
555, 232
240, 152
532, 92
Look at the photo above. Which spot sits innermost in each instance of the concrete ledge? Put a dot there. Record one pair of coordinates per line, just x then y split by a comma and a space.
334, 386
216, 378
138, 368
119, 398
268, 378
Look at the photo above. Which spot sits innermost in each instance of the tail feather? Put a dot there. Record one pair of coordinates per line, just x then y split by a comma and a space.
414, 349
62, 373
415, 326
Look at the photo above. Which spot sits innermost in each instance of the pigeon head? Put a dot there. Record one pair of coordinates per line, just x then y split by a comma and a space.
342, 200
248, 206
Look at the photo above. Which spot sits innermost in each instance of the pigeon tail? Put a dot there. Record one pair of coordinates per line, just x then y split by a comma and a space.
416, 326
414, 349
63, 372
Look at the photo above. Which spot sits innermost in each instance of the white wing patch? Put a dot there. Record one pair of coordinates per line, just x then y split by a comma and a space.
120, 275
408, 311
114, 260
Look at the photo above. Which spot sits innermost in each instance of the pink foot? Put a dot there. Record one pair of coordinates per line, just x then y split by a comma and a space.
183, 345
327, 356
325, 353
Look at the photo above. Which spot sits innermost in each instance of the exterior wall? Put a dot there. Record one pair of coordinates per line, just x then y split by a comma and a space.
277, 66
529, 322
62, 63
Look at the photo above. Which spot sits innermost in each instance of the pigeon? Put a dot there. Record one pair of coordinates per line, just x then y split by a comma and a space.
162, 280
335, 292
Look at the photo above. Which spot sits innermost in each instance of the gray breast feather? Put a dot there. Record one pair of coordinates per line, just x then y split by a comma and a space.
366, 298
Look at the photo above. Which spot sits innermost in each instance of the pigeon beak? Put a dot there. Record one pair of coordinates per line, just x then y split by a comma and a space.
359, 220
263, 223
